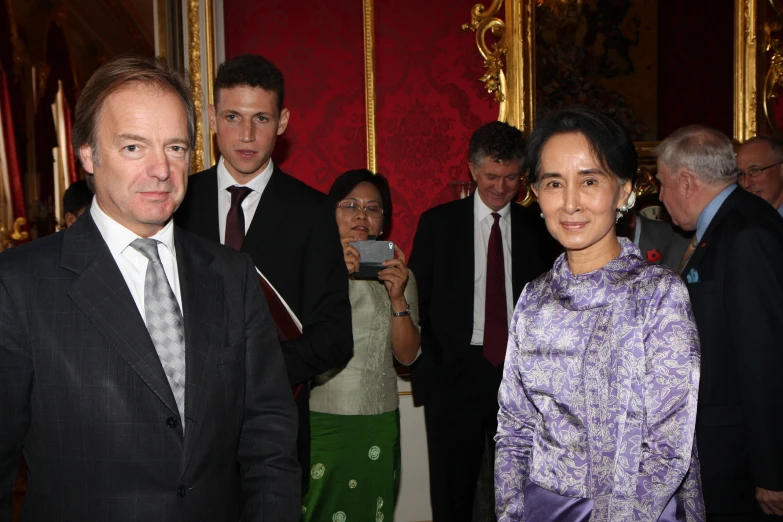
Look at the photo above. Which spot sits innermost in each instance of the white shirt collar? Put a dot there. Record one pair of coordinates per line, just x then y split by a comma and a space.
118, 238
481, 211
256, 184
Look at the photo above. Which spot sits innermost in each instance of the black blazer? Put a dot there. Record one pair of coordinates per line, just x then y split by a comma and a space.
293, 240
443, 261
738, 305
84, 396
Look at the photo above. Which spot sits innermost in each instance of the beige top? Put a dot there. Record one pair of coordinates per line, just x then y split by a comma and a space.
368, 384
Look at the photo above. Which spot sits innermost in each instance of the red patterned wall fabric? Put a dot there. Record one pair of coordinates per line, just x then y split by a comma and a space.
429, 99
318, 45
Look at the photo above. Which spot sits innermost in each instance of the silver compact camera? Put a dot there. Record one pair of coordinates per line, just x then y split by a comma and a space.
372, 254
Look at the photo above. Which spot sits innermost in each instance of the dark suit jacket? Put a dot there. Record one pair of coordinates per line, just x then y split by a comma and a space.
738, 305
443, 261
293, 240
83, 393
661, 236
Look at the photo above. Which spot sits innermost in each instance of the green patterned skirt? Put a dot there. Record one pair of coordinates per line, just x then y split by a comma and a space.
355, 468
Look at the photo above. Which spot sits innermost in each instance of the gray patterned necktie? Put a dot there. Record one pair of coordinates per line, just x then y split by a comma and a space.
164, 321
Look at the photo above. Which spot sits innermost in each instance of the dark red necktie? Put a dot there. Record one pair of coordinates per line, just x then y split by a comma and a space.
235, 220
495, 314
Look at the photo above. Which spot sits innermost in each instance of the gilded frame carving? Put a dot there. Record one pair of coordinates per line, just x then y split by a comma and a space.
514, 88
369, 83
517, 44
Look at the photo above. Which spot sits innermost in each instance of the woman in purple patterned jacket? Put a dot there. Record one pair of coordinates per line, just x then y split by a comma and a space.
598, 400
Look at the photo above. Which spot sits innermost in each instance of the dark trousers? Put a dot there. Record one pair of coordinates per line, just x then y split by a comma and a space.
460, 416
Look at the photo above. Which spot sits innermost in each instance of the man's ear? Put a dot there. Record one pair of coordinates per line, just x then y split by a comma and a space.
70, 218
688, 183
212, 118
472, 170
282, 124
85, 155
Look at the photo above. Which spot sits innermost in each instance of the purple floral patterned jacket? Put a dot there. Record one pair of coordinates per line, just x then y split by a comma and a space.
598, 398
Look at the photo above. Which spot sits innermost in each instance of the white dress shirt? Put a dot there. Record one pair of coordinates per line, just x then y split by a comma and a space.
132, 263
249, 204
482, 227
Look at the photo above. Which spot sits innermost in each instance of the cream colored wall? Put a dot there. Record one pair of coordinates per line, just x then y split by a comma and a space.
413, 503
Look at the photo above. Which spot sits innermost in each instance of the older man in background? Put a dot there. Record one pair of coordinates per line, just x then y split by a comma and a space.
734, 274
760, 161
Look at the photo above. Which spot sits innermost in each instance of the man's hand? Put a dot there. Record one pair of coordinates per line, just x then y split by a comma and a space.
771, 502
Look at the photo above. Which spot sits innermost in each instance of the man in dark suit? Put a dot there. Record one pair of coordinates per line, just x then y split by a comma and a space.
734, 273
288, 228
140, 373
471, 258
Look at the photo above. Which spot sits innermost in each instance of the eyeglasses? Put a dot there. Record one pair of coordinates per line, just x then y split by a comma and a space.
352, 207
755, 171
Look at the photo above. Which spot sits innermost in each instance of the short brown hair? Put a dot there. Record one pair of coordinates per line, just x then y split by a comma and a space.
111, 77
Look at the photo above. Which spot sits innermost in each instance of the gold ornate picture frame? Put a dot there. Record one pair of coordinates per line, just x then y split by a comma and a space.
509, 61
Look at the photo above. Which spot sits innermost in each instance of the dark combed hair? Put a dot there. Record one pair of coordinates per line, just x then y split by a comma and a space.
76, 197
113, 76
608, 140
250, 70
348, 181
497, 141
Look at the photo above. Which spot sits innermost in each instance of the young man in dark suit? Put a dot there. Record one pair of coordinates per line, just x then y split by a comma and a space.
287, 227
140, 372
734, 271
471, 257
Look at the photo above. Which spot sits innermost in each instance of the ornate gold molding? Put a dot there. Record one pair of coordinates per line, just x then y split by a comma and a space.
194, 64
521, 63
482, 20
745, 58
773, 83
369, 83
209, 29
9, 239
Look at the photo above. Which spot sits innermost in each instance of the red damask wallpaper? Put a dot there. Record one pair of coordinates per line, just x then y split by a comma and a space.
429, 100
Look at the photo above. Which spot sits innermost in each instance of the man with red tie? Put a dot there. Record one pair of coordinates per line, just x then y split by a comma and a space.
472, 258
288, 228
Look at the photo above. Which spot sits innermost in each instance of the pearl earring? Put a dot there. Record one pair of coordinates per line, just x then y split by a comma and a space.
542, 214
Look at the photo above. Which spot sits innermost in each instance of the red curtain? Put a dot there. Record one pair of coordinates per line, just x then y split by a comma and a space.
15, 178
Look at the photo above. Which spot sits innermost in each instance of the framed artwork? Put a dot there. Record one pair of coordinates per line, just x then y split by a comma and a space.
654, 65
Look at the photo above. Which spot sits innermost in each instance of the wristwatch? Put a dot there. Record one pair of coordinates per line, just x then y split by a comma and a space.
405, 312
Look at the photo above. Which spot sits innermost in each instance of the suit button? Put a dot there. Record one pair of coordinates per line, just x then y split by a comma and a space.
171, 422
181, 491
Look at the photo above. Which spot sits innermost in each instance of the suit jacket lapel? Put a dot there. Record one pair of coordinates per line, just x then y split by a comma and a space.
706, 241
461, 232
202, 303
204, 208
102, 295
271, 209
517, 251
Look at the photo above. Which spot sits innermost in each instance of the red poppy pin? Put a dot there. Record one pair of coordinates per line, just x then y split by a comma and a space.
653, 256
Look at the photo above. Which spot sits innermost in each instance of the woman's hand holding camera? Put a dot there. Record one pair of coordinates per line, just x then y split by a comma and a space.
395, 277
350, 254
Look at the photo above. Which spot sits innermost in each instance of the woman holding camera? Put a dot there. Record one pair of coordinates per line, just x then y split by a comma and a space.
354, 419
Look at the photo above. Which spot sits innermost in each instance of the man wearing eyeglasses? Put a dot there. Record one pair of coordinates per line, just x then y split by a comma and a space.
760, 160
288, 228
